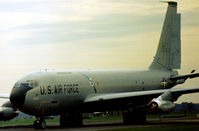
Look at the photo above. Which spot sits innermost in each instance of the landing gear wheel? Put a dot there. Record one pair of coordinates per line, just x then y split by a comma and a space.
39, 124
36, 124
42, 124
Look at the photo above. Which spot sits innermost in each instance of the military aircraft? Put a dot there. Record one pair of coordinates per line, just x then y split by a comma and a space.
134, 92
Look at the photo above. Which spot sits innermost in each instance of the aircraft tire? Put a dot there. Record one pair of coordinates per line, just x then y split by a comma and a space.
36, 124
42, 124
39, 124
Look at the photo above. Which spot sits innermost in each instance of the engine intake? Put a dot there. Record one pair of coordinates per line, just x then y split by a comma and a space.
7, 111
158, 105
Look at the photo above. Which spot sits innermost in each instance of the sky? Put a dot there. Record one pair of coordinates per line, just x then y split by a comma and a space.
90, 34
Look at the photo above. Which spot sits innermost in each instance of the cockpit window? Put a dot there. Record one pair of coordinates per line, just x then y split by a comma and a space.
25, 85
31, 85
17, 85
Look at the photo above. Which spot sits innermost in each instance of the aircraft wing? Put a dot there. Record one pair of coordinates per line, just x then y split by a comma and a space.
138, 96
6, 96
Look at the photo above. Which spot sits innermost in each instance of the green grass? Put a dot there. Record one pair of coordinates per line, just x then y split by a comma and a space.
92, 119
159, 128
105, 118
56, 120
172, 114
24, 121
16, 122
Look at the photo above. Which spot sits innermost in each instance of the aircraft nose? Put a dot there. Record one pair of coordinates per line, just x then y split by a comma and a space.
17, 96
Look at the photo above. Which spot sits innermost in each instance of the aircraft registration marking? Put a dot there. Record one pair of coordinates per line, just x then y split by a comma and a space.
59, 89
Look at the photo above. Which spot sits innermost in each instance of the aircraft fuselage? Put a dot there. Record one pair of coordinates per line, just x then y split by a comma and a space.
53, 92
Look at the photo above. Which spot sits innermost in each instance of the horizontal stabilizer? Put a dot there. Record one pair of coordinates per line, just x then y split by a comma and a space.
184, 77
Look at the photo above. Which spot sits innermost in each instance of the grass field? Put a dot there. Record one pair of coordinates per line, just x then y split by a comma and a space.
160, 128
105, 118
56, 120
23, 121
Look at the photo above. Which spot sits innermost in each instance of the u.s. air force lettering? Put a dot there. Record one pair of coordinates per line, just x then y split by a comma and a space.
60, 89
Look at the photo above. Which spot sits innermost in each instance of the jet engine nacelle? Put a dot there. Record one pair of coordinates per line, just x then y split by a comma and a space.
8, 112
159, 105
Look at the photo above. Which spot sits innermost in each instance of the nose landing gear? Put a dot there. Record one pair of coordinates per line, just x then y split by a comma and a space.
39, 124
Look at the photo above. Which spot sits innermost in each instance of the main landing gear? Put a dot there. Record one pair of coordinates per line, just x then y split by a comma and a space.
66, 120
134, 117
39, 123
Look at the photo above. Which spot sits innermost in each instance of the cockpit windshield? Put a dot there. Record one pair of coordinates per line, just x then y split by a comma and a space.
27, 84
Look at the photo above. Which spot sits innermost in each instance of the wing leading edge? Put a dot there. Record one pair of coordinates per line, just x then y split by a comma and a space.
177, 92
